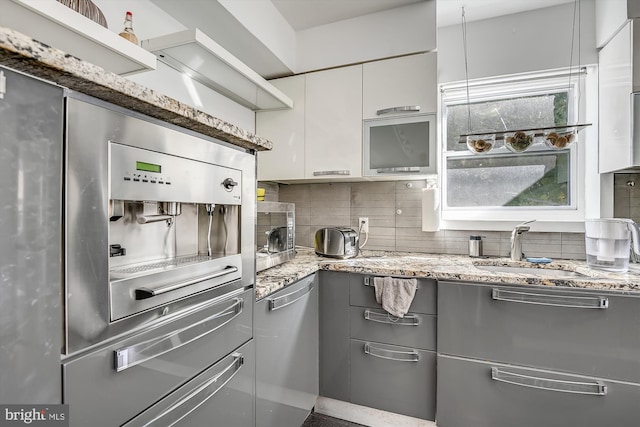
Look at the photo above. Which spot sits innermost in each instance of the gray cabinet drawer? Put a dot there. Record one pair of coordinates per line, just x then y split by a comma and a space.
413, 330
395, 379
222, 395
102, 396
548, 328
362, 293
484, 394
286, 335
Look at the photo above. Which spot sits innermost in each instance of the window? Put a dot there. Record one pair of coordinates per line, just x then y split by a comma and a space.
500, 185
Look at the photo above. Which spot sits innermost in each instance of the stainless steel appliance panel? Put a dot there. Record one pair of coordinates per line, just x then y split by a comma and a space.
91, 125
31, 117
337, 242
113, 383
138, 174
223, 395
275, 234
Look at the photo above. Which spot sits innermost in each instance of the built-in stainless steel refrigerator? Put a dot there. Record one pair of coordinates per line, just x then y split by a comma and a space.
31, 130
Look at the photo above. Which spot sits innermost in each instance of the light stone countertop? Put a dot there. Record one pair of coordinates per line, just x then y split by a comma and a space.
24, 54
442, 267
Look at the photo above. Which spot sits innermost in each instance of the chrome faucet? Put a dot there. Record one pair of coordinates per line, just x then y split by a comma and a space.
516, 240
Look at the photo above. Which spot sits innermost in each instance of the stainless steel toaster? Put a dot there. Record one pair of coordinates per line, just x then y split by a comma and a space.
336, 242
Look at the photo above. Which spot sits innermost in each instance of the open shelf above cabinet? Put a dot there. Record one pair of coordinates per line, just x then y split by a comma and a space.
58, 26
195, 54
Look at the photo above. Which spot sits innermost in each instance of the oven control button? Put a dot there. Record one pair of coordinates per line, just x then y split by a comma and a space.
127, 178
228, 184
153, 181
136, 179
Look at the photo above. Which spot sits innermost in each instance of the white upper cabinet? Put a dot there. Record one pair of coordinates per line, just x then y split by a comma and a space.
392, 85
333, 124
618, 64
285, 128
611, 15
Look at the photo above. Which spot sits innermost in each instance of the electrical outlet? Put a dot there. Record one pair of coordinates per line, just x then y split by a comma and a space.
363, 224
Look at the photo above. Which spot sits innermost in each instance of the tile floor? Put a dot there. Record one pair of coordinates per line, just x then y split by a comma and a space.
319, 420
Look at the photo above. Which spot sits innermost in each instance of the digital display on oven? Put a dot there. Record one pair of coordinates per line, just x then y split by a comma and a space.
148, 167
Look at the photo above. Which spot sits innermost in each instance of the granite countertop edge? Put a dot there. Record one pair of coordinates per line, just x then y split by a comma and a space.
441, 267
24, 54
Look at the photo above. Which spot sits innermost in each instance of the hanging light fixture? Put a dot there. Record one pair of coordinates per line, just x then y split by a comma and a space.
519, 140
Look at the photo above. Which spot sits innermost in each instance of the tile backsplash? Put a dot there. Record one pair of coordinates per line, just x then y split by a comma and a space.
626, 196
394, 210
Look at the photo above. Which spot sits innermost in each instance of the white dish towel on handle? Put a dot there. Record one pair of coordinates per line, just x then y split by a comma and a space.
395, 294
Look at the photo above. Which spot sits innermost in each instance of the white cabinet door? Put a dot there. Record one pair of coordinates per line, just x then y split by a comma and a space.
400, 82
333, 123
615, 145
285, 128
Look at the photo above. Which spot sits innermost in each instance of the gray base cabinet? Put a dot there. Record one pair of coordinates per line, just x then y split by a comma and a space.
593, 333
334, 335
394, 379
528, 356
373, 359
286, 333
473, 393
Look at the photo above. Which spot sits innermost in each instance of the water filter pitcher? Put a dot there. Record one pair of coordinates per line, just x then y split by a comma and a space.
609, 242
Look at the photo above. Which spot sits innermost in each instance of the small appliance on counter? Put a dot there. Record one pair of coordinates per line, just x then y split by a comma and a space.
337, 242
609, 242
276, 225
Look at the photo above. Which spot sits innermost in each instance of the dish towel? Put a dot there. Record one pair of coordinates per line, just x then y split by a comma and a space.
395, 295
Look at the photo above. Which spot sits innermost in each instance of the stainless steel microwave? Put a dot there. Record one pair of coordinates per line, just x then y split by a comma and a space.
400, 145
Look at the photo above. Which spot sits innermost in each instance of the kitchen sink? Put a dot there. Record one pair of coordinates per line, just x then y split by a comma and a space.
540, 272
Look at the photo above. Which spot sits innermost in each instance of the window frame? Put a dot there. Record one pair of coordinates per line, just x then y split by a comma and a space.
557, 218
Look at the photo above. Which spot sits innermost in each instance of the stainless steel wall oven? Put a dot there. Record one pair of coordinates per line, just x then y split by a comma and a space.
159, 260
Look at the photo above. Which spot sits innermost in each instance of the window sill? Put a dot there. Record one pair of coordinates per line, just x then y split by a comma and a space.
548, 226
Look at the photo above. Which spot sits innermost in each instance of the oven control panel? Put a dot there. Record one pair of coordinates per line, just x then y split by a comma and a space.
139, 174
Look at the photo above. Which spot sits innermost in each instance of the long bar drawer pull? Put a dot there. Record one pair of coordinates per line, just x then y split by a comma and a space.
290, 298
368, 281
192, 401
144, 293
595, 388
403, 109
384, 317
551, 300
128, 357
399, 356
336, 172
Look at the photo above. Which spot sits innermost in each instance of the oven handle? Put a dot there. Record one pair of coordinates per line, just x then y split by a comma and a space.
144, 293
196, 398
128, 357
